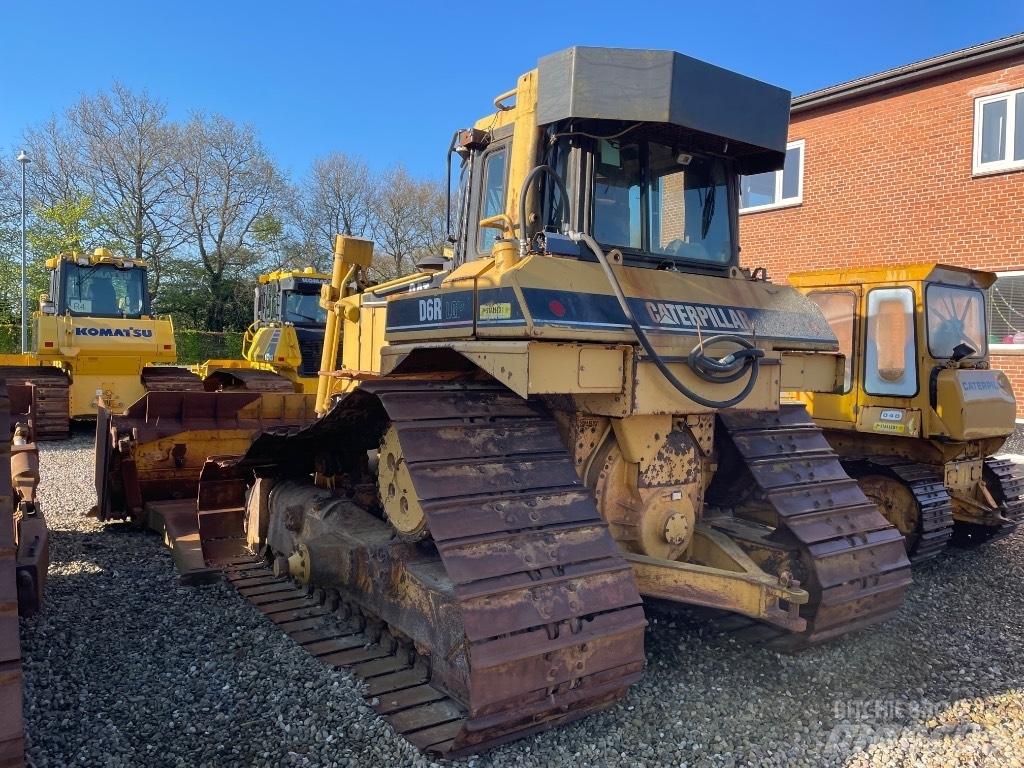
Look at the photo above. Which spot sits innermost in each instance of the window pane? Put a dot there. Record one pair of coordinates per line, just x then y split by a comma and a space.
955, 316
1006, 310
1018, 128
993, 131
757, 190
890, 359
839, 309
494, 197
617, 194
103, 290
791, 173
689, 207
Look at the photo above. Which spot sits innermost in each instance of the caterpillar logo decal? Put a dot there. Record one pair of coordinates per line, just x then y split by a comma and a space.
135, 333
703, 316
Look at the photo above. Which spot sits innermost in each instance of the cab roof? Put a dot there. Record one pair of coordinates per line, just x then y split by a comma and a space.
898, 273
98, 256
284, 274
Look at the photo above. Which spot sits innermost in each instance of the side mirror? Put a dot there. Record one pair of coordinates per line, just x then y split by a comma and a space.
960, 351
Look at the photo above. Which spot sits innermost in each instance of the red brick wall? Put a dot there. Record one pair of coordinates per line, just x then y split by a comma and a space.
888, 179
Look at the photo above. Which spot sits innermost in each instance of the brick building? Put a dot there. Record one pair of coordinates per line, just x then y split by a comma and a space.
920, 163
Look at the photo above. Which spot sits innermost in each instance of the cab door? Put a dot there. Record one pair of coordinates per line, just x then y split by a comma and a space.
890, 380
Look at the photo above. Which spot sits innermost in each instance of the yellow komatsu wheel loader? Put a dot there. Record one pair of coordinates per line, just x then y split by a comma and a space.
920, 413
94, 337
578, 411
281, 349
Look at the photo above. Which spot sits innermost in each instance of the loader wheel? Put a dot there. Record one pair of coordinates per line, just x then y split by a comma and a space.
896, 503
397, 495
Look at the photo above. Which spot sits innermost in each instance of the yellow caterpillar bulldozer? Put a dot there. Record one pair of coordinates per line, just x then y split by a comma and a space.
94, 336
920, 414
579, 410
281, 350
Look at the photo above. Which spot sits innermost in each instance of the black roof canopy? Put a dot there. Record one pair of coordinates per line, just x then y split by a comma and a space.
750, 117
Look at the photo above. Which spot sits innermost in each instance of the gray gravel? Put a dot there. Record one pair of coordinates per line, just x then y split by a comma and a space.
126, 668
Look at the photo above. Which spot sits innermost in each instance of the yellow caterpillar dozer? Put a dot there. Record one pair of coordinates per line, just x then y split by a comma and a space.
579, 410
94, 337
920, 414
282, 348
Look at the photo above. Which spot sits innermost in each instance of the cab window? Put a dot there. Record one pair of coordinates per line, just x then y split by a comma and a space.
891, 352
103, 290
840, 308
955, 316
493, 201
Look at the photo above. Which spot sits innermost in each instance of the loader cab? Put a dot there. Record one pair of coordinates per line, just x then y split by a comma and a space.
99, 285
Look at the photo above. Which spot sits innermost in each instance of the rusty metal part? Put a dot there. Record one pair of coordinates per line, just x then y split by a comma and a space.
157, 449
248, 379
1004, 480
520, 604
778, 472
12, 744
169, 378
914, 498
395, 489
30, 533
49, 399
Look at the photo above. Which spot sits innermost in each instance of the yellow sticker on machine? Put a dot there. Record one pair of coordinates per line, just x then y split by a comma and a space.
881, 426
496, 311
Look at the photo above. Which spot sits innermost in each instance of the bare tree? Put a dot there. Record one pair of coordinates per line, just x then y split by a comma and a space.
336, 198
232, 196
408, 222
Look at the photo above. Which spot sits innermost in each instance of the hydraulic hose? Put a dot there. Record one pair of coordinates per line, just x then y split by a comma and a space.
524, 243
723, 370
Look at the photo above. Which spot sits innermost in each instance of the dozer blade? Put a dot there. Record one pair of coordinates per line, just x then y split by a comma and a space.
156, 450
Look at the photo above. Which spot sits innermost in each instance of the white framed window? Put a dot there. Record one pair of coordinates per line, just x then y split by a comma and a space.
999, 132
775, 189
1005, 305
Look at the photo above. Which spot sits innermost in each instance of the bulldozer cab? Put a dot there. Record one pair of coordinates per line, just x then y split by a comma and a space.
99, 285
659, 182
291, 297
915, 342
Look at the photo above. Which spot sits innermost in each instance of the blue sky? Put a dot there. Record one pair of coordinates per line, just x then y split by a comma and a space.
390, 80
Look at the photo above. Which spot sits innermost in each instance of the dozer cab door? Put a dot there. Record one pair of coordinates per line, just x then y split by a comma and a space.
890, 381
841, 307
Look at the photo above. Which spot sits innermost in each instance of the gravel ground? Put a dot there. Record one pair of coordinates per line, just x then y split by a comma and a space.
126, 668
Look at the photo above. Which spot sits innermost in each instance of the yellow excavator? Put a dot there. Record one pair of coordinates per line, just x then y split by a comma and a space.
282, 347
94, 336
920, 413
579, 411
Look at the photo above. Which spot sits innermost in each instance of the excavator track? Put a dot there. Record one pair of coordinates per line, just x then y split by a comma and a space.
934, 504
844, 553
50, 406
544, 622
169, 378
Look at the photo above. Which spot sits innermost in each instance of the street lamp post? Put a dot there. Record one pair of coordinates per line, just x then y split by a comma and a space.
23, 159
